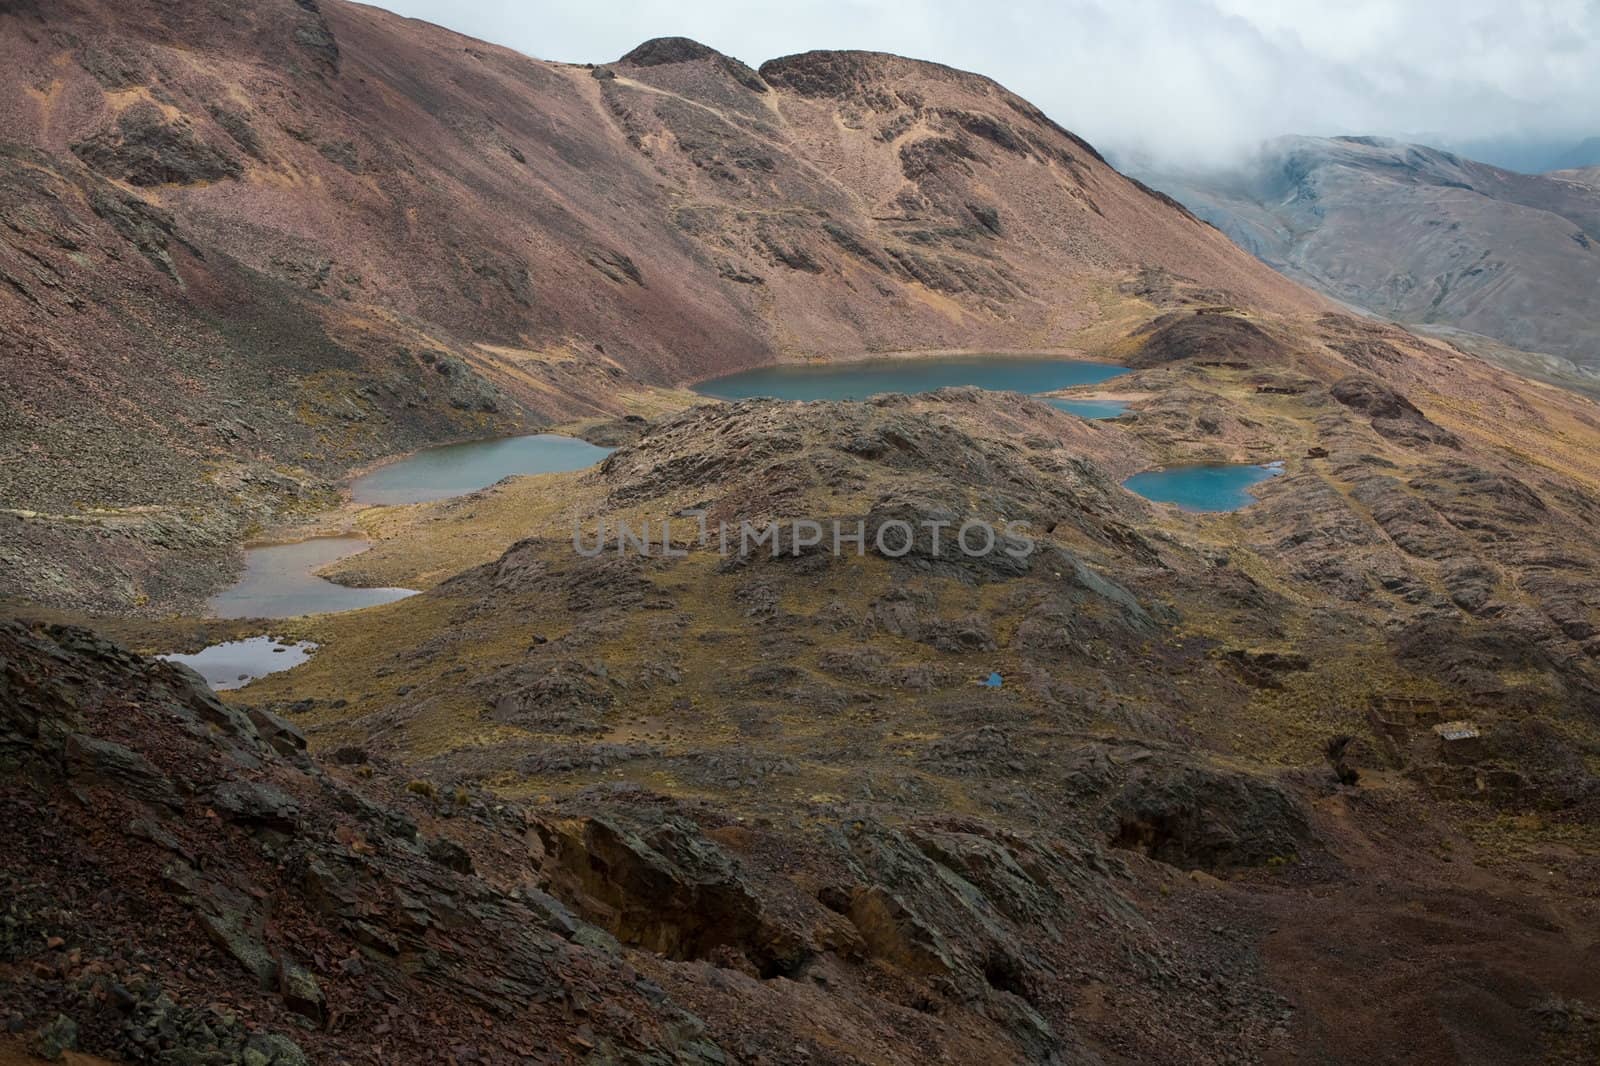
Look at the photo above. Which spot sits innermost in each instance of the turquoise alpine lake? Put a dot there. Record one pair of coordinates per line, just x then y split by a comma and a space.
280, 581
455, 469
1205, 487
238, 662
1091, 409
869, 377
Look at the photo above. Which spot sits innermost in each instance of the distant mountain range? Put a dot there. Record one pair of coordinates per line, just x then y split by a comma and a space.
1586, 154
1427, 238
1521, 154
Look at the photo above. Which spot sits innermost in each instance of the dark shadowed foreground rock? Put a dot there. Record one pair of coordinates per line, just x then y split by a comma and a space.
1194, 816
195, 888
193, 893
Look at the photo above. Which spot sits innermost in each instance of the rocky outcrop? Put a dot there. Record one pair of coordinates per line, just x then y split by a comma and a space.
147, 149
665, 51
220, 896
1197, 816
1209, 337
1393, 416
667, 889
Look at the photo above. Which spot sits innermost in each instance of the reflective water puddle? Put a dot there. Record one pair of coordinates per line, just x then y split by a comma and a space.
238, 662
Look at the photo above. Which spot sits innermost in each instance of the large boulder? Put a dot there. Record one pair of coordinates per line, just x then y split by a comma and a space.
1193, 815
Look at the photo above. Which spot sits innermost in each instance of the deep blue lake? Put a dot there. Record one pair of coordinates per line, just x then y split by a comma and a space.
858, 380
454, 469
1207, 487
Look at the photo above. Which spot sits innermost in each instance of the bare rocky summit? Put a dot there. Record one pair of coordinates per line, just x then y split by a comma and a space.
251, 246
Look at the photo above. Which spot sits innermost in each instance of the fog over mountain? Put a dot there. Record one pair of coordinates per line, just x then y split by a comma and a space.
1424, 237
1193, 82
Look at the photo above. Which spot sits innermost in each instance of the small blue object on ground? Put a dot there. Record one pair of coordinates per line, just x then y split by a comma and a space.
992, 681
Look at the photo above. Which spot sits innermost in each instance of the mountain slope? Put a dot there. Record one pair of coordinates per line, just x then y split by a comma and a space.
249, 246
1175, 688
1423, 237
1314, 780
689, 219
1582, 175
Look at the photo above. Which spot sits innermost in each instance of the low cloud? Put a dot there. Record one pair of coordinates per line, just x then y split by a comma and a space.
1170, 82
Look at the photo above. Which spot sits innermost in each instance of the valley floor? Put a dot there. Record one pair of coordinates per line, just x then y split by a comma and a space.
1206, 816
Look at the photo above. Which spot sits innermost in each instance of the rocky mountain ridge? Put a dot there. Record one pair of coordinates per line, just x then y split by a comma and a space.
251, 246
1424, 237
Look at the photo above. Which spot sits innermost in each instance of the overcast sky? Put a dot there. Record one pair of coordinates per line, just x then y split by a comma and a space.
1185, 81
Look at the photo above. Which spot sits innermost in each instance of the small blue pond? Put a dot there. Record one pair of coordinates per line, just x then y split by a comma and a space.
280, 581
1207, 487
858, 380
1088, 408
454, 469
239, 662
